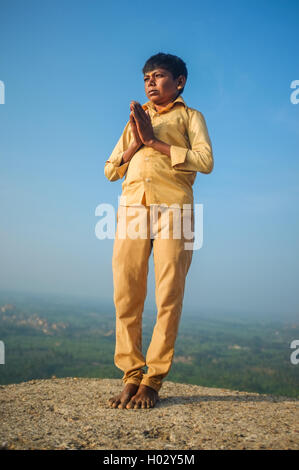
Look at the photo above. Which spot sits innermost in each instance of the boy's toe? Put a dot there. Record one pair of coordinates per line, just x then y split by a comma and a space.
130, 404
112, 401
115, 404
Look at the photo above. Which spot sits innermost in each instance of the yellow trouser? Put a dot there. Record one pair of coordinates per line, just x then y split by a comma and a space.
130, 269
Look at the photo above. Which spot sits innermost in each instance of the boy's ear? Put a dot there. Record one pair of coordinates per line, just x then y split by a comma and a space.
182, 80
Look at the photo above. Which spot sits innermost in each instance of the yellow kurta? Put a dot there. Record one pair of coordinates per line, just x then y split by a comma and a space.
153, 175
153, 178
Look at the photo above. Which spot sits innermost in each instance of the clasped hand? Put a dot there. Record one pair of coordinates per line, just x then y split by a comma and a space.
141, 125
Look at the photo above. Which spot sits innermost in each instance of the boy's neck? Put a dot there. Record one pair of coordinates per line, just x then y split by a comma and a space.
159, 107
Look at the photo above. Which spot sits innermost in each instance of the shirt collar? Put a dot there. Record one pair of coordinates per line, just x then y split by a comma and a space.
179, 99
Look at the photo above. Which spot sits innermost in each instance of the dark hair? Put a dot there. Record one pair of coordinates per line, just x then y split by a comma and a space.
172, 63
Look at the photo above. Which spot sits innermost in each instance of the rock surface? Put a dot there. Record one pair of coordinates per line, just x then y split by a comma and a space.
73, 413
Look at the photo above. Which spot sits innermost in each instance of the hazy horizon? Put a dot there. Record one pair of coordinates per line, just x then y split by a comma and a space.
84, 301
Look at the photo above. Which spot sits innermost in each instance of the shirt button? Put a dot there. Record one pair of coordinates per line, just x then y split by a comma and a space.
146, 158
147, 180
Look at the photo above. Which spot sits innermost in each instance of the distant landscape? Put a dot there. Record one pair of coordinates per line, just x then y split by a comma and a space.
44, 337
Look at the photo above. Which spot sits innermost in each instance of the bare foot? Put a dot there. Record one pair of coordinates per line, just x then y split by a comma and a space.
121, 400
146, 397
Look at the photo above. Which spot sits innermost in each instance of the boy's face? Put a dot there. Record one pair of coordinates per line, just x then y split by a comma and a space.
160, 87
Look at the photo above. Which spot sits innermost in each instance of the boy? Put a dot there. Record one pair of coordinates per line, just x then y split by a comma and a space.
161, 148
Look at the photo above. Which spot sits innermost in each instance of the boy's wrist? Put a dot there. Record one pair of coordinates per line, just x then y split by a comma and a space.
151, 142
136, 146
128, 154
160, 146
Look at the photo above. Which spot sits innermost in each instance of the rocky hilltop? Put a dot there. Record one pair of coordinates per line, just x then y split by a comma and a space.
73, 413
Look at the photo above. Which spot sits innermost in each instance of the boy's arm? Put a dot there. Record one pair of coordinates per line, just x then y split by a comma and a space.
118, 162
200, 156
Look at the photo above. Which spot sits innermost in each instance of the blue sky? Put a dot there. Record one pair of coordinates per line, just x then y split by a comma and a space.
70, 70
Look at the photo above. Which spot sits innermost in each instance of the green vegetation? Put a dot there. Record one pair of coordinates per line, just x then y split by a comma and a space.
44, 338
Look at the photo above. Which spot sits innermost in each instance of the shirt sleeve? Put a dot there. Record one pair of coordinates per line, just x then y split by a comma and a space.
200, 156
113, 169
